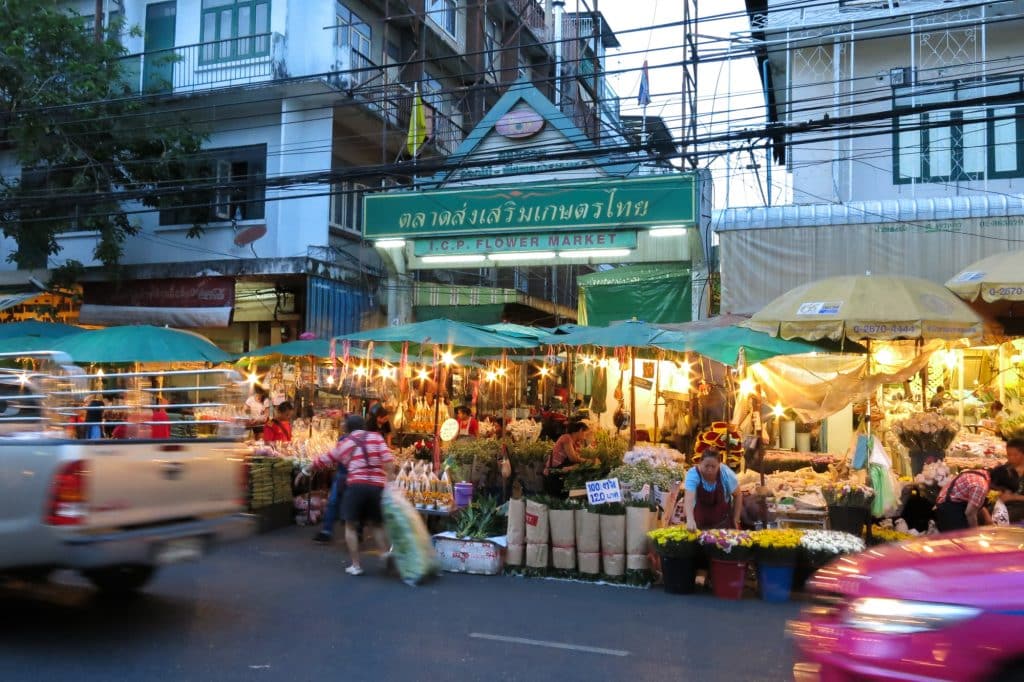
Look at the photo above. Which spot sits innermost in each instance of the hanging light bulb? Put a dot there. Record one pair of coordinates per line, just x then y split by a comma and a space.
360, 371
502, 371
603, 363
747, 386
447, 358
422, 375
587, 361
330, 379
544, 371
951, 359
491, 376
778, 410
252, 379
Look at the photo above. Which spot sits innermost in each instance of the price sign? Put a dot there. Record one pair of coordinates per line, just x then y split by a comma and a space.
604, 491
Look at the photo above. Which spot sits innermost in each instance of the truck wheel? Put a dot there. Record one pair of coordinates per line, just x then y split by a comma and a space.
121, 579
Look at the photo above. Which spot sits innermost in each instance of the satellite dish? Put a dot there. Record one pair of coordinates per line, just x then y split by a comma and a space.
449, 430
247, 234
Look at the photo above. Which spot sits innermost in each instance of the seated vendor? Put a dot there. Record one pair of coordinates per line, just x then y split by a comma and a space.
468, 425
1008, 480
280, 427
712, 498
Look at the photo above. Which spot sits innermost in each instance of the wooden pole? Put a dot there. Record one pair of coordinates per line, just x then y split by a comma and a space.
632, 398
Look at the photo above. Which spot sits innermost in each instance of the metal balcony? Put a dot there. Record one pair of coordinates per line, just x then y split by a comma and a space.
208, 66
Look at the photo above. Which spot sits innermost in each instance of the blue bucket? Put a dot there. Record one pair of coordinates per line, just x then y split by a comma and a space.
463, 494
775, 582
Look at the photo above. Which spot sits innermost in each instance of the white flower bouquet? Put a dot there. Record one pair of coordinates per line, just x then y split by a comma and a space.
832, 542
926, 432
524, 430
934, 474
653, 455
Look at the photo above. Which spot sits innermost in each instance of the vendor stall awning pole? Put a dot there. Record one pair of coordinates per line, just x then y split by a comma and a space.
632, 397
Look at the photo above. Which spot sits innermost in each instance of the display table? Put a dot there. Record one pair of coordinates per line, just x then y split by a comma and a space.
790, 460
802, 518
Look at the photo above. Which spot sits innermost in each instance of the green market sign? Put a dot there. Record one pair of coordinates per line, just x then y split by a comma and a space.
569, 206
524, 242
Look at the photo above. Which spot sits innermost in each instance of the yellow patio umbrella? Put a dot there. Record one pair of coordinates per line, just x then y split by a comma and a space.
868, 307
993, 279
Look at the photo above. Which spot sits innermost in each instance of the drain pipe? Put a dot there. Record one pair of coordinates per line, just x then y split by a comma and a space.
557, 10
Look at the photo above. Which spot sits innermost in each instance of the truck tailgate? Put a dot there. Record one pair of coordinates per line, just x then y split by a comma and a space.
138, 483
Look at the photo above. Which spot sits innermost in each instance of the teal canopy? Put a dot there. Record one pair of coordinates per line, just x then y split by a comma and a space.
319, 348
723, 344
45, 330
140, 343
441, 332
539, 333
631, 334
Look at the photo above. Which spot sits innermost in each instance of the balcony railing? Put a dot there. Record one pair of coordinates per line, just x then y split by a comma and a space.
532, 15
207, 66
368, 82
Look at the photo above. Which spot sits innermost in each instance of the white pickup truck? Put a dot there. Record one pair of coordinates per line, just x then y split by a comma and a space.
115, 510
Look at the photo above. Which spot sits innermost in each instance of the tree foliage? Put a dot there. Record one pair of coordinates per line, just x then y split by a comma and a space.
85, 139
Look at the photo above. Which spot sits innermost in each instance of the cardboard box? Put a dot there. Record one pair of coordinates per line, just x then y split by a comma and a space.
480, 557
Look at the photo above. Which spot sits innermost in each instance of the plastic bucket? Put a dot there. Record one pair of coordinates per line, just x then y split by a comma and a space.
463, 494
775, 581
728, 578
678, 574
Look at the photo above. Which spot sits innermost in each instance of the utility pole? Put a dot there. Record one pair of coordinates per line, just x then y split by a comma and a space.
99, 21
691, 15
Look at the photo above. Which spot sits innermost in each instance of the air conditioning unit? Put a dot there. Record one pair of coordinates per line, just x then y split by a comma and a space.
901, 76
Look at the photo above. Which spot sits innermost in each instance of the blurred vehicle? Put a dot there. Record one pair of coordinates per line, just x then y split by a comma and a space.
943, 607
115, 510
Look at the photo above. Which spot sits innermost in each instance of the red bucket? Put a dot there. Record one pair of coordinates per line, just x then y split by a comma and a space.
728, 578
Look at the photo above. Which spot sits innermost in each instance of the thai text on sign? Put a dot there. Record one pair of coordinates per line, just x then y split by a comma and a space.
604, 491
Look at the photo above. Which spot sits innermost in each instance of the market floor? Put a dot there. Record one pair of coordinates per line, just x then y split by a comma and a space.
277, 607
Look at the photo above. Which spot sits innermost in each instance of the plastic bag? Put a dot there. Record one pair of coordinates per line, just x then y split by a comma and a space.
411, 545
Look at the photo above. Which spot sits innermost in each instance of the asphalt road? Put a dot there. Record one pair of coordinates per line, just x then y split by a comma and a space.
277, 607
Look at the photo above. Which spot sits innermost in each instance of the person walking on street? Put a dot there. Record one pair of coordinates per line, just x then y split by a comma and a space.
332, 513
369, 464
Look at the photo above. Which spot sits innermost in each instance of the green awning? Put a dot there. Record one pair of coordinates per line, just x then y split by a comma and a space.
656, 293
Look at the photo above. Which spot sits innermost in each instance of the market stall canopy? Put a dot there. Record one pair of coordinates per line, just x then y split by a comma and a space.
724, 344
993, 279
442, 332
629, 334
539, 333
657, 292
319, 348
46, 330
141, 343
873, 307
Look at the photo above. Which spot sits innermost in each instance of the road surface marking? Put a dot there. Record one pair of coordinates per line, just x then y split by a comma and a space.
550, 645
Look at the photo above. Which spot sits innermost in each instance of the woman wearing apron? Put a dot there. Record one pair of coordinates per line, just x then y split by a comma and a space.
712, 498
468, 425
961, 504
564, 455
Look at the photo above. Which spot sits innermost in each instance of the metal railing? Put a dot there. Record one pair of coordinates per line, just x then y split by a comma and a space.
204, 66
532, 16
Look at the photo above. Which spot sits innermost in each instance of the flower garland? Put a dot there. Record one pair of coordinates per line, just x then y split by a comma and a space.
727, 441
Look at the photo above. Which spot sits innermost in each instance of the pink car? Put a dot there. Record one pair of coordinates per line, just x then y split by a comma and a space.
945, 607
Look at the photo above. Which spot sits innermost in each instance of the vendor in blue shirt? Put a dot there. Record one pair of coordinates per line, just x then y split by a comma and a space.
711, 496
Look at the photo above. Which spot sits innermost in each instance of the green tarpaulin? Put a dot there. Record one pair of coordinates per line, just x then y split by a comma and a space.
654, 293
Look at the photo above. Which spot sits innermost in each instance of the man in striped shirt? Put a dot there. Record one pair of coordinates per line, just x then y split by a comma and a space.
369, 464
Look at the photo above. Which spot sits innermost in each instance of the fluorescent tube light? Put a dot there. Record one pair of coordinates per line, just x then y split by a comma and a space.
461, 258
595, 253
521, 255
667, 232
389, 243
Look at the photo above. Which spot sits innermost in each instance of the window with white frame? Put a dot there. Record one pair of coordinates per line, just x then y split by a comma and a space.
234, 29
969, 142
347, 206
492, 46
219, 185
444, 13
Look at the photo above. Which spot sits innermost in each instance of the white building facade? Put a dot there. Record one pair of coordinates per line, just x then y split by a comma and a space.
901, 124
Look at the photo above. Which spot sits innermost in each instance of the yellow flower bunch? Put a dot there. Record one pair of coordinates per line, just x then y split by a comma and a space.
777, 538
993, 496
880, 534
673, 534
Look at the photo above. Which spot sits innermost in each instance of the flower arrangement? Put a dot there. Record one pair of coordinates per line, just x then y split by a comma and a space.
831, 542
926, 432
934, 474
653, 455
727, 440
675, 541
846, 494
1012, 427
727, 544
777, 545
643, 473
524, 430
880, 535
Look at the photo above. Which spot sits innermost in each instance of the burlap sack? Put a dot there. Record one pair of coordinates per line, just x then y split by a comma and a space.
613, 544
588, 541
515, 536
638, 522
563, 538
537, 543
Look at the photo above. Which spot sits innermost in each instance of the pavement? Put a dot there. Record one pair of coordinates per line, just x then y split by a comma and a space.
279, 607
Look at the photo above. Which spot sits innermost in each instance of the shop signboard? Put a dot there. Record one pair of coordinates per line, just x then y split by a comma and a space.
524, 241
577, 206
